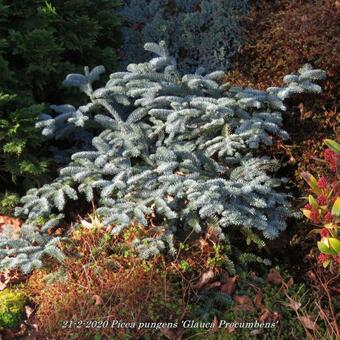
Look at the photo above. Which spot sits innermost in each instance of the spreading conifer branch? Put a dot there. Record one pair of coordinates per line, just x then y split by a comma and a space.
182, 148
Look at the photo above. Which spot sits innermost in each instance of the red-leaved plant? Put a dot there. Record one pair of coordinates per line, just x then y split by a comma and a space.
323, 208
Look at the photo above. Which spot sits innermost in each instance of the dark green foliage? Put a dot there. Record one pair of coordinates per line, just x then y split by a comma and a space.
22, 160
212, 303
40, 42
8, 202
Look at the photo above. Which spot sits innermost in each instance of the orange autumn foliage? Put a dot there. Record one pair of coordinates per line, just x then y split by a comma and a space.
290, 34
15, 222
283, 36
96, 283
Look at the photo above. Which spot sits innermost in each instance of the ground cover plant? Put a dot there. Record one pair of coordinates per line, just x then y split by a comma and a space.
181, 148
121, 286
12, 308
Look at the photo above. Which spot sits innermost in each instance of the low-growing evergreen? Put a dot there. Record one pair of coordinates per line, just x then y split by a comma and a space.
175, 153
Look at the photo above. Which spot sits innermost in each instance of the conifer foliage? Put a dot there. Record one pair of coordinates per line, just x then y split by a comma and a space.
198, 32
40, 42
183, 149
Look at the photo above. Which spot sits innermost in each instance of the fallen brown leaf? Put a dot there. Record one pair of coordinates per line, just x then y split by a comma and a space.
258, 300
274, 277
311, 275
308, 322
58, 232
243, 303
205, 278
213, 285
243, 300
294, 305
277, 316
28, 311
212, 235
290, 282
98, 300
12, 334
15, 222
22, 330
230, 286
243, 308
8, 277
3, 285
215, 323
31, 337
265, 316
204, 245
231, 329
7, 334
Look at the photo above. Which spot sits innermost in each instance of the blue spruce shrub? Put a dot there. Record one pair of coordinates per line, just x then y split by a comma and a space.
183, 148
198, 32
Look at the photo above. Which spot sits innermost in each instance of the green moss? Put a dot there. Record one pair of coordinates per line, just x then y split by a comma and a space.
12, 304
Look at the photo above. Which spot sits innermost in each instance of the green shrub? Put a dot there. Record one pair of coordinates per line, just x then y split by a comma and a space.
8, 202
12, 304
40, 42
23, 160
